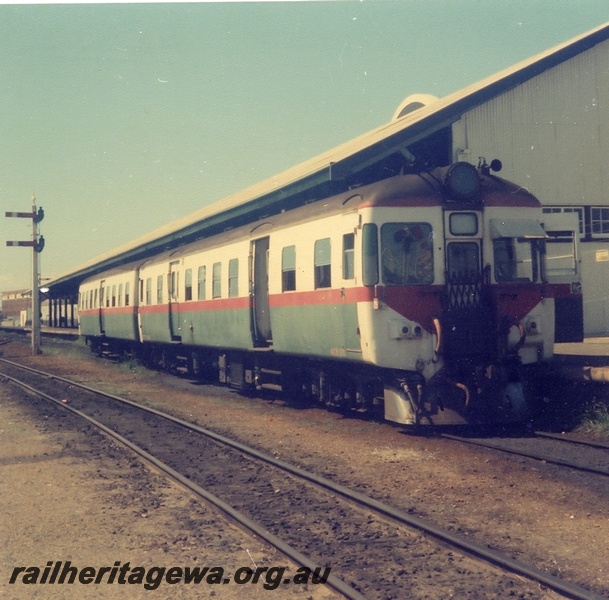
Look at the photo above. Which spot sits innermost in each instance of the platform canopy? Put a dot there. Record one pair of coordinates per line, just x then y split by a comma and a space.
417, 140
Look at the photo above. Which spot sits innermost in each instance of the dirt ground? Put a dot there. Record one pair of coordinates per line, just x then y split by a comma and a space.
68, 503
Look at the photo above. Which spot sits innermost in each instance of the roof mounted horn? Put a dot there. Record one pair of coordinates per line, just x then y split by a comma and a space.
486, 169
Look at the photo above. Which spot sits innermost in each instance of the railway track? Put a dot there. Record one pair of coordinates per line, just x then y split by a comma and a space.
378, 550
579, 455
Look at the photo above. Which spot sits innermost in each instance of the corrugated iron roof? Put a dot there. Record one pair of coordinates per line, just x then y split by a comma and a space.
322, 174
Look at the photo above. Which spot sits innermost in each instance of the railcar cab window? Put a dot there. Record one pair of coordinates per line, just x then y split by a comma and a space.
348, 256
463, 223
323, 272
370, 254
288, 269
407, 253
463, 261
516, 260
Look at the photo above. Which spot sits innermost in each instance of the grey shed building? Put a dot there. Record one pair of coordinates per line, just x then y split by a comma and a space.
547, 120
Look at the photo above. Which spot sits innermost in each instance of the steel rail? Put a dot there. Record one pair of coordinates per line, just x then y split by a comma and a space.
562, 438
533, 455
494, 557
254, 528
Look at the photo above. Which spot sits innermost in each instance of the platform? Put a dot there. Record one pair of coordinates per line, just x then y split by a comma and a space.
588, 360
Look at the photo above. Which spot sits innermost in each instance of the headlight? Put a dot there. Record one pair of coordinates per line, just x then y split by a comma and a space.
462, 181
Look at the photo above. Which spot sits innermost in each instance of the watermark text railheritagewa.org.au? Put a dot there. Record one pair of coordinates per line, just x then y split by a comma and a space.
59, 572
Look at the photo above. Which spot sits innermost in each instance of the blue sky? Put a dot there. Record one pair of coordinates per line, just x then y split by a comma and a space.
124, 117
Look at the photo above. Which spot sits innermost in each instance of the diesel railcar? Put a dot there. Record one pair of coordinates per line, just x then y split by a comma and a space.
423, 297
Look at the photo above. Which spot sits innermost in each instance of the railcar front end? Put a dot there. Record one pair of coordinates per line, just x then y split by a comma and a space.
462, 306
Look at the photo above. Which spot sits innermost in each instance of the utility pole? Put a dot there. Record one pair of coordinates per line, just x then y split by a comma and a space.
37, 244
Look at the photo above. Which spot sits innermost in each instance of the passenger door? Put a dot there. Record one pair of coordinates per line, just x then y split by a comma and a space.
102, 299
468, 315
259, 292
173, 284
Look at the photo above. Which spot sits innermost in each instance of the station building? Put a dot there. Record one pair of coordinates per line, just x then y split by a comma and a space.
15, 307
545, 118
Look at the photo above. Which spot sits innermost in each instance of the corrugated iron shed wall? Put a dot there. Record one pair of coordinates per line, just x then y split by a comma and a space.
552, 135
551, 132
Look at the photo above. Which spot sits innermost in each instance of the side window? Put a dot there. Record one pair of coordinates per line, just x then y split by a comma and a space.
95, 300
288, 269
149, 291
114, 295
127, 298
349, 256
173, 280
233, 277
159, 289
216, 287
120, 294
188, 285
515, 260
322, 263
201, 283
407, 253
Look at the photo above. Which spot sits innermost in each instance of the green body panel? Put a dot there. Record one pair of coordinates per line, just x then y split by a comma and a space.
89, 324
155, 327
317, 330
219, 329
121, 326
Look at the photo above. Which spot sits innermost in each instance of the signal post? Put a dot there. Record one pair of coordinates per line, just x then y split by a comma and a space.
37, 244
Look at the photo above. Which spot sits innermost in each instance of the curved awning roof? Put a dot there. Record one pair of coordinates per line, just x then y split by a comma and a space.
332, 171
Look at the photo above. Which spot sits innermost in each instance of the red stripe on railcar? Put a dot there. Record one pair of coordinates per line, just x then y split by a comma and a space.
561, 290
323, 296
199, 305
113, 310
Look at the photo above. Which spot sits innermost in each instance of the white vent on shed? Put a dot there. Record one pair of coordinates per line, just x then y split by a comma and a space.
412, 103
